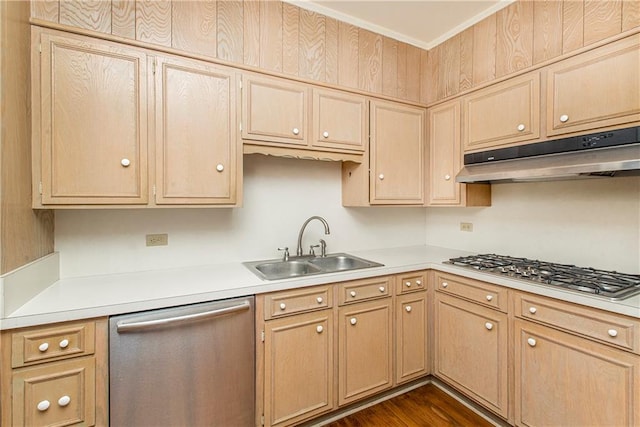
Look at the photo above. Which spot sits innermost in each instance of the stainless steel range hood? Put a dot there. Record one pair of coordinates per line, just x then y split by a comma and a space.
606, 154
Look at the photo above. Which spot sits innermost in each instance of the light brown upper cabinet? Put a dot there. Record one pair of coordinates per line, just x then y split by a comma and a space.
504, 114
90, 127
339, 120
445, 161
397, 150
196, 133
598, 89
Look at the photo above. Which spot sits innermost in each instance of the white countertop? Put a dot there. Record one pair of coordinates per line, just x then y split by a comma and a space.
95, 296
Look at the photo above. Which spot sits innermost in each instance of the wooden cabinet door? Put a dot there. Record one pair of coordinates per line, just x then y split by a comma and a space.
570, 381
397, 154
274, 110
299, 367
196, 133
471, 350
411, 337
93, 127
594, 90
445, 157
365, 358
339, 120
504, 114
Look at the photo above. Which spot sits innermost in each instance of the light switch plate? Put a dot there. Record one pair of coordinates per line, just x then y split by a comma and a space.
466, 226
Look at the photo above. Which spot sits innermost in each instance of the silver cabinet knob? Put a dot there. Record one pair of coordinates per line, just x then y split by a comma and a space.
612, 333
295, 131
64, 401
407, 284
283, 306
418, 282
353, 321
408, 309
564, 118
445, 284
43, 405
488, 325
325, 134
532, 310
319, 299
531, 342
447, 177
489, 297
64, 343
381, 176
353, 294
220, 167
381, 288
521, 127
125, 162
319, 329
43, 347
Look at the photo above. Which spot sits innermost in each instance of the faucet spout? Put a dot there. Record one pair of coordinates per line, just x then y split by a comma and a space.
319, 218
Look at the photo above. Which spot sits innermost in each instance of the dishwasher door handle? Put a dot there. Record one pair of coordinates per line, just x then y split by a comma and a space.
123, 327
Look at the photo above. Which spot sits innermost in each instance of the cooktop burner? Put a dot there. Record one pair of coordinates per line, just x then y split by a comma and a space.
608, 284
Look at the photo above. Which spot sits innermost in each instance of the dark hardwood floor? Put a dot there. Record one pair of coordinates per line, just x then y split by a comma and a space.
424, 406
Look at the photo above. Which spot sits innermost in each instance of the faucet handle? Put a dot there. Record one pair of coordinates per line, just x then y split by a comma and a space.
312, 251
323, 248
285, 257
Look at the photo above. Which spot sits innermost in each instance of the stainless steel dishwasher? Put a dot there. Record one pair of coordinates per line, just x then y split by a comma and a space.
184, 366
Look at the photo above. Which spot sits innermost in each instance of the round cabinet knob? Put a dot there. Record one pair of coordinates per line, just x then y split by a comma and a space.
220, 167
319, 329
381, 288
353, 321
381, 176
408, 309
488, 325
283, 306
612, 333
521, 127
125, 162
64, 343
531, 342
564, 118
447, 177
445, 284
325, 134
532, 310
353, 294
407, 284
489, 297
295, 131
418, 282
319, 299
64, 401
44, 405
43, 347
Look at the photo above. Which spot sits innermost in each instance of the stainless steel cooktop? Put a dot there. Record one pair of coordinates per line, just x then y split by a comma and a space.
601, 283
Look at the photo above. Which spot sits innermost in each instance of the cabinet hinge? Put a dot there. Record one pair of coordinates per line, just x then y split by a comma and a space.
40, 187
154, 190
40, 47
262, 420
240, 126
240, 83
262, 335
154, 64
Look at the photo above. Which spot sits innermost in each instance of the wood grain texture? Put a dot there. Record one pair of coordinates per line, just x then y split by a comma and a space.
413, 73
193, 26
290, 36
251, 29
25, 234
123, 18
370, 61
402, 70
47, 10
572, 25
348, 57
514, 38
92, 15
466, 59
431, 74
547, 30
424, 67
312, 45
484, 50
630, 14
390, 66
153, 21
230, 31
271, 35
602, 19
331, 50
449, 69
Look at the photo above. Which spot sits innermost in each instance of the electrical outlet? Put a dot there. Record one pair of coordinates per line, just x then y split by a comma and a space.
157, 239
466, 226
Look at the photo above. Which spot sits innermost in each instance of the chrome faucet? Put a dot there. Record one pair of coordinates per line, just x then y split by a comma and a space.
326, 231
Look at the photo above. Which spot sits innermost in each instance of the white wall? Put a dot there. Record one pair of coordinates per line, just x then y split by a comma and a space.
593, 223
279, 195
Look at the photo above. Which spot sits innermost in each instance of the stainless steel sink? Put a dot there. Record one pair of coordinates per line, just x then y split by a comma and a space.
307, 266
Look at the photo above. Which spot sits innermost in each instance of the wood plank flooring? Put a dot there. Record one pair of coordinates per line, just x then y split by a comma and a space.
424, 406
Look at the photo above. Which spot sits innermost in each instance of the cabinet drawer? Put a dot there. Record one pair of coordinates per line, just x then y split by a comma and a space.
297, 301
37, 345
620, 331
362, 290
474, 290
411, 282
60, 393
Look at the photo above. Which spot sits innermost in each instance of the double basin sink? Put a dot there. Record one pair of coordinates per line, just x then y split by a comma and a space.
308, 265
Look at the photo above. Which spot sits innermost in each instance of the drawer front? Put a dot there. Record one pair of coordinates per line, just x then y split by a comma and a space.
609, 328
473, 290
363, 290
37, 345
60, 394
411, 282
297, 301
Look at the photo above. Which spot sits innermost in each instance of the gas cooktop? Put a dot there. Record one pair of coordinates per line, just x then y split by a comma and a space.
606, 284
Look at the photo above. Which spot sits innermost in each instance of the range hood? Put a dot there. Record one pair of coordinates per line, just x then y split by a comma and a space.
604, 154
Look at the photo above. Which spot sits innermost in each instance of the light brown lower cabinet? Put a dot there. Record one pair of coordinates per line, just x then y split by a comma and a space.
411, 337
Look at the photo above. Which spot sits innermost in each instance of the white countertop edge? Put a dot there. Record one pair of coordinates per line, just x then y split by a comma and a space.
98, 296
